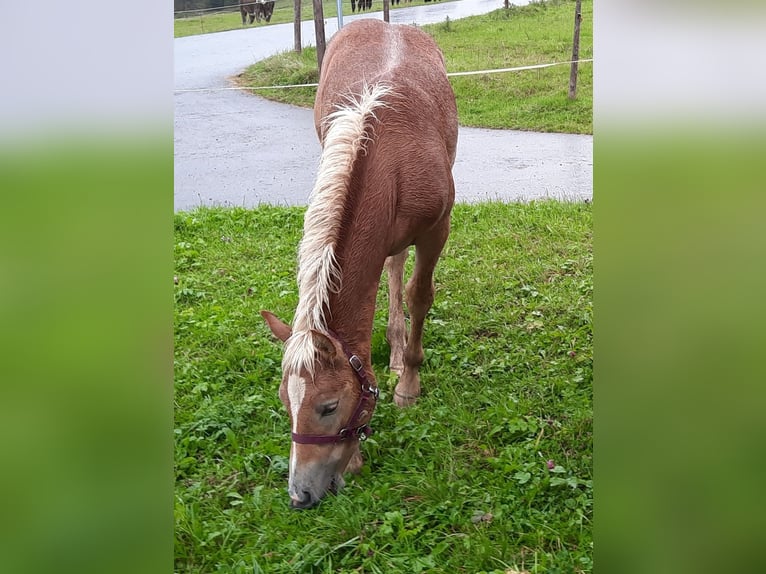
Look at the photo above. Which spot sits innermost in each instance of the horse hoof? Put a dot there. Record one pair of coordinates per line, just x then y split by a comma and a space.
403, 400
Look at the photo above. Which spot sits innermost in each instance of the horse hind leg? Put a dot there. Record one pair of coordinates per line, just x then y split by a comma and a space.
396, 332
420, 297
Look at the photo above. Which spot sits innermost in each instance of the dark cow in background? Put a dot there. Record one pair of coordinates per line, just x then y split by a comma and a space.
256, 9
361, 4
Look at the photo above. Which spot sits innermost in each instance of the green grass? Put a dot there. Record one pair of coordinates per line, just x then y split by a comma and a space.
532, 100
456, 483
206, 22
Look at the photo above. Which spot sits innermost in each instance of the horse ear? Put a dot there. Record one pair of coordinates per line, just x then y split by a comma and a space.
324, 345
281, 330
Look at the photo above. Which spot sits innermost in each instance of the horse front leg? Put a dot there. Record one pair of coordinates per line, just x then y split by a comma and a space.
396, 332
420, 297
356, 461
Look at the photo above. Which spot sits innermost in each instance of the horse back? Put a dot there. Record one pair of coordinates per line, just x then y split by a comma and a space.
400, 185
369, 51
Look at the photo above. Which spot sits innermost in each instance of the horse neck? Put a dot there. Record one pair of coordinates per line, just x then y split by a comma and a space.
352, 309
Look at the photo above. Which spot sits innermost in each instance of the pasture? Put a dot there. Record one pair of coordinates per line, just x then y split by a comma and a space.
199, 22
532, 100
491, 471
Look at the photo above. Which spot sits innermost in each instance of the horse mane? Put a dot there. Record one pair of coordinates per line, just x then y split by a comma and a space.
345, 136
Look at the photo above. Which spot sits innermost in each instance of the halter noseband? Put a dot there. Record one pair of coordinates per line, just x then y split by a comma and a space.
350, 430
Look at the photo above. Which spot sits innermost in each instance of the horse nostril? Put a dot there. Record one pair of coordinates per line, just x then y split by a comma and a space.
305, 501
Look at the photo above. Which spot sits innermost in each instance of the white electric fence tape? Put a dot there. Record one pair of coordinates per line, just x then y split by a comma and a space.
450, 74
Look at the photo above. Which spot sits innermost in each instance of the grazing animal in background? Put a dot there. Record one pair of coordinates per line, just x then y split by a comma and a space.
247, 7
256, 10
388, 129
361, 4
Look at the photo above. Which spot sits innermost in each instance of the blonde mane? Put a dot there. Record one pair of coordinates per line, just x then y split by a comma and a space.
318, 272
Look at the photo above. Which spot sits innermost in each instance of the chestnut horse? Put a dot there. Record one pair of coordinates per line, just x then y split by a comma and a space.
388, 128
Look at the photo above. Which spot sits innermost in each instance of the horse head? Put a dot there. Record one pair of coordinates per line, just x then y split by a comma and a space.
330, 399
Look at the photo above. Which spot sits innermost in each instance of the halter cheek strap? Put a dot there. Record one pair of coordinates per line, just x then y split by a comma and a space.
351, 430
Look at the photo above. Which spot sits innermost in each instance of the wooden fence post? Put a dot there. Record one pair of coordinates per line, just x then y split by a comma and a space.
386, 9
575, 52
319, 31
297, 25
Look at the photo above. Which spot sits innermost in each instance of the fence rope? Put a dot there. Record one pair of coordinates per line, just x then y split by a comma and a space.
449, 74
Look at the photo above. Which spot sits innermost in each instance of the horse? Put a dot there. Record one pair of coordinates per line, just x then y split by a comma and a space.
256, 10
388, 128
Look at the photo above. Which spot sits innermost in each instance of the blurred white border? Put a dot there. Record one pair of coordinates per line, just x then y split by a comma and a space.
679, 60
83, 64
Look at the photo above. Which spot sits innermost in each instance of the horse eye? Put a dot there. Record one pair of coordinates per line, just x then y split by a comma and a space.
328, 409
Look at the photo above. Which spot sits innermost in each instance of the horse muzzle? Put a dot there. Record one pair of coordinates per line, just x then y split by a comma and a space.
303, 499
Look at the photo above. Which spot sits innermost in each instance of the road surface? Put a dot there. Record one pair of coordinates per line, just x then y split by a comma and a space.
236, 149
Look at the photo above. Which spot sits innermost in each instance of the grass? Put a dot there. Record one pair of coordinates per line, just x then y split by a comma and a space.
460, 482
207, 22
532, 100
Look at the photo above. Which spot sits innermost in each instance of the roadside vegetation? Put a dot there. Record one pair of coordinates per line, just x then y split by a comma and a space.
491, 471
531, 100
205, 22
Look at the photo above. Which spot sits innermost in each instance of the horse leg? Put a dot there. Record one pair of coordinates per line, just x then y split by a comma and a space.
244, 15
355, 462
353, 6
420, 296
396, 333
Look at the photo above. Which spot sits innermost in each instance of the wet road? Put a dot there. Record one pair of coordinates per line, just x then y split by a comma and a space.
233, 148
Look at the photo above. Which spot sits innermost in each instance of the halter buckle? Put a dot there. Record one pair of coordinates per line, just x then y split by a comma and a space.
363, 432
356, 363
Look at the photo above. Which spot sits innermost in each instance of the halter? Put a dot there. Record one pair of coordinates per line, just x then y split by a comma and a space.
350, 431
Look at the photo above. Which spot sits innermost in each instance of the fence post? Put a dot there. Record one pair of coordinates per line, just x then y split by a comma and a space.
319, 31
575, 52
386, 9
297, 26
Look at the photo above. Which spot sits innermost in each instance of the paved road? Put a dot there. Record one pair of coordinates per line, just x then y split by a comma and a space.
233, 148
